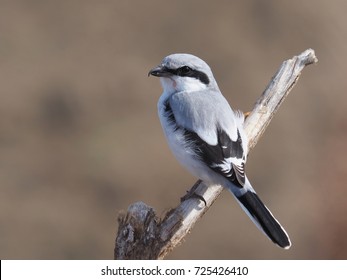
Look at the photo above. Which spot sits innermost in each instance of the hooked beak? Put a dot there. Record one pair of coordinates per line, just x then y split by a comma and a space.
160, 71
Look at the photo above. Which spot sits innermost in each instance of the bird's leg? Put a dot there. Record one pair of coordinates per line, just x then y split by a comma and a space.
246, 114
192, 194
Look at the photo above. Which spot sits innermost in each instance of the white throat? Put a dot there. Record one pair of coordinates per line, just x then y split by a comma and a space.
178, 84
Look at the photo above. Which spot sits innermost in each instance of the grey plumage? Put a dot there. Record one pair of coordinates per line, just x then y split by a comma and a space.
207, 136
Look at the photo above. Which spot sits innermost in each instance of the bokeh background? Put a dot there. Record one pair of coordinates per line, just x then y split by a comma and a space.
80, 139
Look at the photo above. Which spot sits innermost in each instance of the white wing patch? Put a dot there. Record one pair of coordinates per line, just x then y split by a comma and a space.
228, 164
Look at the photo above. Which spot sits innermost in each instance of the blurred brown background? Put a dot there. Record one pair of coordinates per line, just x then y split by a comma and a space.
80, 139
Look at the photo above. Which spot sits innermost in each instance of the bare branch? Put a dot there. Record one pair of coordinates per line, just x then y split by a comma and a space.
141, 235
275, 93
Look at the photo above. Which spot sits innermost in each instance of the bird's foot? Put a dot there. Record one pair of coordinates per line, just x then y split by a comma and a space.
192, 194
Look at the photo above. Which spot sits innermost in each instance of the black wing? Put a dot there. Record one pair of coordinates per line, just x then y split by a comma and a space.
226, 158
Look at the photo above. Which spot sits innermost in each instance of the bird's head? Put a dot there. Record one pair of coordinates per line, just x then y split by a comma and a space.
183, 72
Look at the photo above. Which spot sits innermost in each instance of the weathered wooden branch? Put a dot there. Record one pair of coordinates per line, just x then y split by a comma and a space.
142, 235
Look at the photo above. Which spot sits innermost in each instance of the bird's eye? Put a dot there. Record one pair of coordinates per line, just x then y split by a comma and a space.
184, 70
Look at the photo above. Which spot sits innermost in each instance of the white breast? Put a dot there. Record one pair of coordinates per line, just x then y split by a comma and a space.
182, 152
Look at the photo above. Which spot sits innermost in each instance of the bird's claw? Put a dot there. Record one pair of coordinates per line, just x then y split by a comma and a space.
192, 194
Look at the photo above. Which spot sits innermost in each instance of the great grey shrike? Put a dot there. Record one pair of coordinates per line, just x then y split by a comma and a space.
207, 137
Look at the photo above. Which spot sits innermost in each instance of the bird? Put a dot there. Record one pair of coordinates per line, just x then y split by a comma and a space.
207, 136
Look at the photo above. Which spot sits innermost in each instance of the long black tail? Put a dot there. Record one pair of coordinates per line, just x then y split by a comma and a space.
263, 218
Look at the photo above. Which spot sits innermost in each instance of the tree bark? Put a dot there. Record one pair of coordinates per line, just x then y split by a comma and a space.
142, 235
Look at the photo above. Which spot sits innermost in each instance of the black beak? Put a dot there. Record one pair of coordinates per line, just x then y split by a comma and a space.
160, 71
